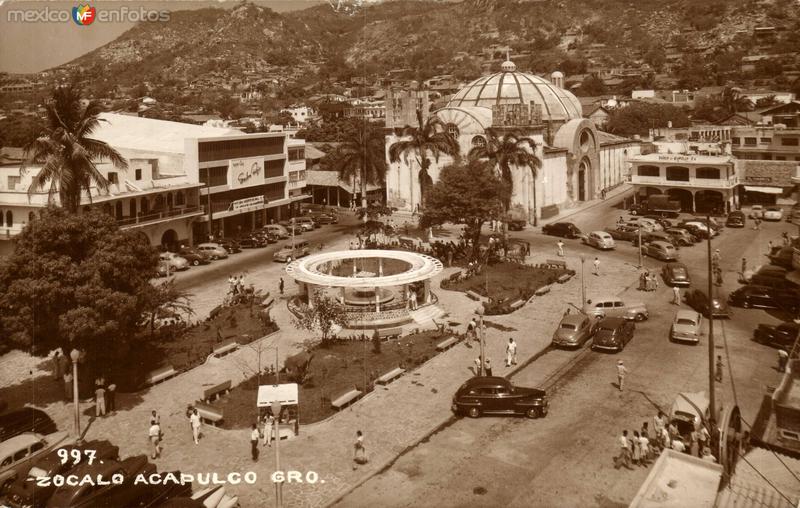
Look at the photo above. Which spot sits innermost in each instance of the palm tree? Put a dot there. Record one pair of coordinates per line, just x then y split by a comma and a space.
361, 154
507, 150
732, 101
66, 152
430, 136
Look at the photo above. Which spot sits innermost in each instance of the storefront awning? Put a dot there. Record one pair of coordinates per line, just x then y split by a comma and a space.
765, 190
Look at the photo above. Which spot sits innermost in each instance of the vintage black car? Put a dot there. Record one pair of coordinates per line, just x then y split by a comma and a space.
194, 257
765, 298
562, 229
736, 219
781, 336
698, 300
613, 334
251, 242
676, 274
26, 419
781, 257
628, 233
86, 495
496, 395
24, 491
230, 245
320, 218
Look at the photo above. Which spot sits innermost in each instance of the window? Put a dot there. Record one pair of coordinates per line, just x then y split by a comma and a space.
678, 174
478, 141
36, 447
214, 176
20, 455
180, 198
9, 219
619, 304
452, 129
112, 178
296, 154
765, 140
138, 175
780, 158
710, 173
13, 181
648, 171
789, 141
749, 141
735, 140
238, 148
273, 169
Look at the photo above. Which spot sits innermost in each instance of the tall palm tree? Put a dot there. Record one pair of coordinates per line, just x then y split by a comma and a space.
507, 150
66, 152
732, 100
361, 154
431, 137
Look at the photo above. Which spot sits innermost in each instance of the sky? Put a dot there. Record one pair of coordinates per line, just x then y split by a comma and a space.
28, 44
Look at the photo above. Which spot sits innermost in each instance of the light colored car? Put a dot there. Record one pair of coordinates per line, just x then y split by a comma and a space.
686, 326
757, 212
599, 240
702, 227
304, 222
573, 330
661, 250
646, 224
773, 213
174, 261
614, 306
19, 451
277, 230
214, 250
287, 253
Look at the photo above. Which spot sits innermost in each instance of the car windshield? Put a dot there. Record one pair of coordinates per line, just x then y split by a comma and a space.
679, 271
36, 472
605, 330
685, 321
567, 326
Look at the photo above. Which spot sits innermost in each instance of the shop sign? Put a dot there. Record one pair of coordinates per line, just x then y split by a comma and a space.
245, 172
286, 394
246, 203
677, 158
758, 179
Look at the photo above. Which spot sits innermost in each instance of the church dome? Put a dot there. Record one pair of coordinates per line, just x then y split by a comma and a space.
513, 87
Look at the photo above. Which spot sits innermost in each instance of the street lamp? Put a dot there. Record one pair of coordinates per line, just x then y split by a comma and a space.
276, 413
75, 355
479, 312
583, 282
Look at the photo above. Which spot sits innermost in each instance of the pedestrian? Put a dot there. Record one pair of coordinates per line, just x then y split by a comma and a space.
744, 266
678, 446
560, 245
658, 425
100, 400
111, 399
624, 458
596, 264
68, 393
603, 194
478, 366
676, 295
620, 222
155, 418
757, 224
487, 366
703, 438
621, 371
511, 353
155, 439
58, 373
718, 369
706, 455
785, 238
269, 421
413, 300
280, 285
636, 448
666, 441
718, 276
642, 282
194, 419
471, 327
769, 247
254, 442
716, 257
359, 451
231, 284
189, 412
240, 283
655, 282
783, 359
644, 445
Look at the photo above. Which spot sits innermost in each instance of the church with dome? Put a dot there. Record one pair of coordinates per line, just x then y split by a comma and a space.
578, 161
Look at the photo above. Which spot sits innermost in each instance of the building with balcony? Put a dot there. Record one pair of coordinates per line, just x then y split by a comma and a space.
699, 182
402, 107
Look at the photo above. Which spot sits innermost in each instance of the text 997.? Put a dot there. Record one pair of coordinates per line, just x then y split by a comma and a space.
76, 455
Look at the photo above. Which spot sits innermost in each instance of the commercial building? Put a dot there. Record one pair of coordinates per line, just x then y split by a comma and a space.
402, 107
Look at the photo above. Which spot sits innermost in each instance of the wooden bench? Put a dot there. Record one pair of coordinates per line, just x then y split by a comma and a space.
455, 277
475, 296
225, 347
542, 291
214, 392
447, 344
390, 376
346, 398
516, 305
268, 301
208, 413
388, 333
161, 374
564, 278
555, 263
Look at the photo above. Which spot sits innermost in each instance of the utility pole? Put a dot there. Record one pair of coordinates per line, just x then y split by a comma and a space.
210, 212
711, 379
641, 261
583, 283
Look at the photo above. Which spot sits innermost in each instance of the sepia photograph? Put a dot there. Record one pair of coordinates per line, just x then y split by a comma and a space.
399, 253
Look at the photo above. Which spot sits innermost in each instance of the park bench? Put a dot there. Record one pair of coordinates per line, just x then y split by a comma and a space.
446, 344
555, 263
390, 376
225, 347
542, 291
516, 305
213, 393
455, 277
388, 333
564, 278
208, 413
160, 374
475, 296
346, 398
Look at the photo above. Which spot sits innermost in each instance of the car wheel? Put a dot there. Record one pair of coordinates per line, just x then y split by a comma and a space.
533, 413
474, 412
634, 212
196, 262
639, 317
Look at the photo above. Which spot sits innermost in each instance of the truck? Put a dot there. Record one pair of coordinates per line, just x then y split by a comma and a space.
659, 204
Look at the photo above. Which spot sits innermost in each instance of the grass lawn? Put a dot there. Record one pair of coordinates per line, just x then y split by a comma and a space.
334, 370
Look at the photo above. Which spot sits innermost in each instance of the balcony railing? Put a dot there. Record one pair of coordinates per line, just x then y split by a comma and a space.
724, 183
153, 216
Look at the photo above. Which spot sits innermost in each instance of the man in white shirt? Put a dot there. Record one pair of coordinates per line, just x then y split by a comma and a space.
254, 442
195, 421
511, 352
678, 445
155, 438
621, 372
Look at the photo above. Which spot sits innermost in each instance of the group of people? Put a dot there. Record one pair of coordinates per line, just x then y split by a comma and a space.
235, 285
105, 397
648, 281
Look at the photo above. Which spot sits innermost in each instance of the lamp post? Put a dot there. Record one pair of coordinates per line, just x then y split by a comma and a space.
479, 312
583, 282
75, 355
711, 380
276, 413
641, 263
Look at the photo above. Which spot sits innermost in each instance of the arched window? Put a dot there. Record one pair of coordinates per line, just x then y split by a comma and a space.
452, 129
180, 198
478, 141
711, 173
9, 219
678, 174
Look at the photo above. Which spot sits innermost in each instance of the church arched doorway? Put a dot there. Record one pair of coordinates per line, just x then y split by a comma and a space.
169, 240
583, 173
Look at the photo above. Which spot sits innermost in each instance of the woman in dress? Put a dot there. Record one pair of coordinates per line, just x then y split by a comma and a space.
637, 448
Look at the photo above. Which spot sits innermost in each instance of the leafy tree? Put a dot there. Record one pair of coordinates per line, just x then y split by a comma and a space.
504, 151
76, 281
656, 57
766, 102
361, 157
67, 153
19, 130
639, 117
166, 298
691, 73
468, 194
732, 101
592, 86
431, 137
228, 107
321, 316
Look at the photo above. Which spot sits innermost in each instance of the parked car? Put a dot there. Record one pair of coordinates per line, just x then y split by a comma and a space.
756, 212
698, 231
676, 274
736, 219
85, 495
783, 335
24, 491
214, 250
627, 233
711, 221
304, 222
294, 228
320, 218
773, 213
648, 225
765, 298
665, 223
27, 419
698, 300
288, 253
599, 240
174, 261
782, 257
496, 395
662, 236
277, 230
516, 225
690, 412
163, 269
266, 236
251, 242
18, 452
562, 229
661, 250
772, 279
230, 245
681, 236
686, 327
614, 306
194, 257
573, 330
612, 334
